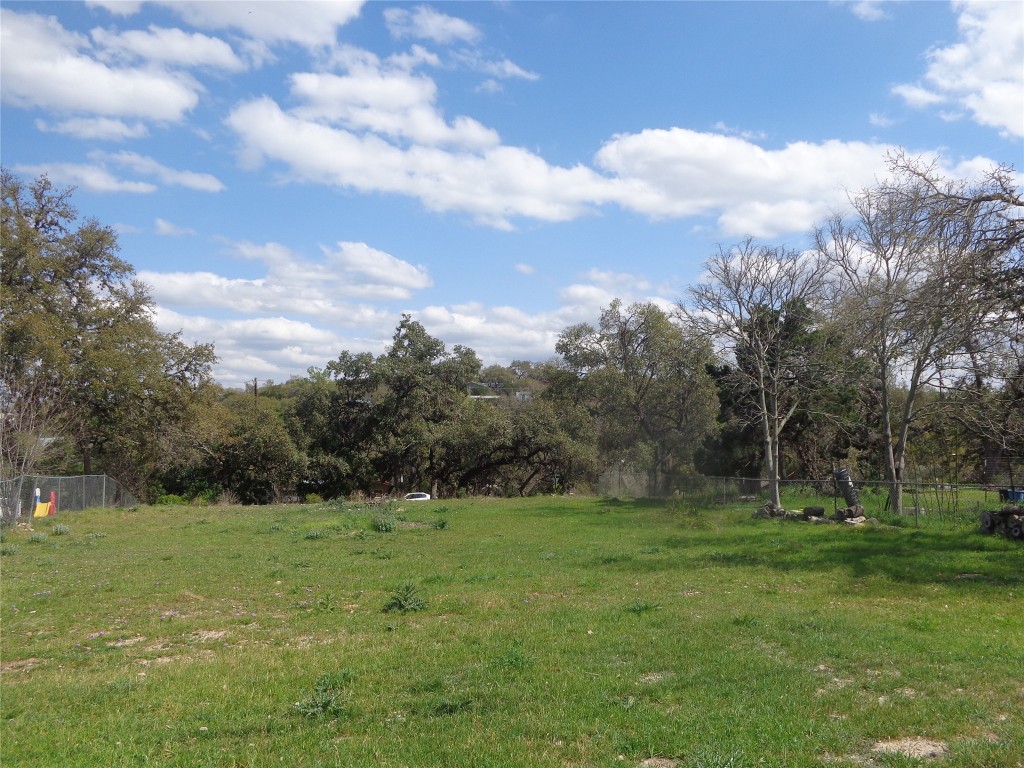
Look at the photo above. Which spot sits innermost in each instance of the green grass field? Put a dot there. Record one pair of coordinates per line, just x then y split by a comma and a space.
549, 632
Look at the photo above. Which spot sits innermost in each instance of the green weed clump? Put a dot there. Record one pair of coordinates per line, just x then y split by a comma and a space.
37, 537
405, 599
61, 530
172, 499
328, 697
383, 522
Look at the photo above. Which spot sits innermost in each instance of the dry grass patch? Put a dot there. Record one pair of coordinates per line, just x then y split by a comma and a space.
911, 747
20, 665
207, 635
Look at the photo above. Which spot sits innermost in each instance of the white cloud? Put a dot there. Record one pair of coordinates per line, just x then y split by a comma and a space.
425, 23
359, 261
880, 120
751, 190
147, 166
503, 69
169, 47
660, 173
621, 281
312, 25
917, 96
396, 104
721, 127
490, 86
167, 229
46, 66
525, 269
982, 72
117, 7
91, 177
332, 289
494, 185
96, 128
262, 347
869, 10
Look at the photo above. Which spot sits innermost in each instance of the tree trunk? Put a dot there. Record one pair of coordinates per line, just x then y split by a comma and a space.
894, 473
771, 467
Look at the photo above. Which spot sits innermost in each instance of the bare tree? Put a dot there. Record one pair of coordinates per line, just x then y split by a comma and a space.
914, 262
756, 308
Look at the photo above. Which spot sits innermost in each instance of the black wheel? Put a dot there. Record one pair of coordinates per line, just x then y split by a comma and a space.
988, 522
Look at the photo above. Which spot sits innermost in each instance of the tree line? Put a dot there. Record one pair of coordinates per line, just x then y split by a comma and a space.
892, 343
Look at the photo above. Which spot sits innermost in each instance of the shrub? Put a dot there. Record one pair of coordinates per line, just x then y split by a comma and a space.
383, 522
405, 599
314, 498
172, 498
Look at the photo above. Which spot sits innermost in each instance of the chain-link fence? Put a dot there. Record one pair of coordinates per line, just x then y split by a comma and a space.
17, 496
934, 498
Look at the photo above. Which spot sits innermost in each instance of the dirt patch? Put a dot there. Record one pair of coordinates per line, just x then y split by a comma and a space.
207, 635
916, 748
125, 642
20, 665
660, 762
654, 677
413, 524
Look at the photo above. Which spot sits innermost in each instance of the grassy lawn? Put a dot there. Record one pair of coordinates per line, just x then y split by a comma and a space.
552, 632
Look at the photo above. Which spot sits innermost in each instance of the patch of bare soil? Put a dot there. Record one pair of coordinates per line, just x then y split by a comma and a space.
20, 665
207, 635
413, 524
911, 747
654, 677
659, 762
125, 642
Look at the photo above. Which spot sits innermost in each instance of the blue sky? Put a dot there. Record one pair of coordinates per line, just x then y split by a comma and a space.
289, 178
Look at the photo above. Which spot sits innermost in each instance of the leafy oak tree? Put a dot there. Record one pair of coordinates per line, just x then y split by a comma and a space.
83, 360
645, 380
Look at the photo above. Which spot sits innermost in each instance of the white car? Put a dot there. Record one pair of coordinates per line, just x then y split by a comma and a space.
417, 497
